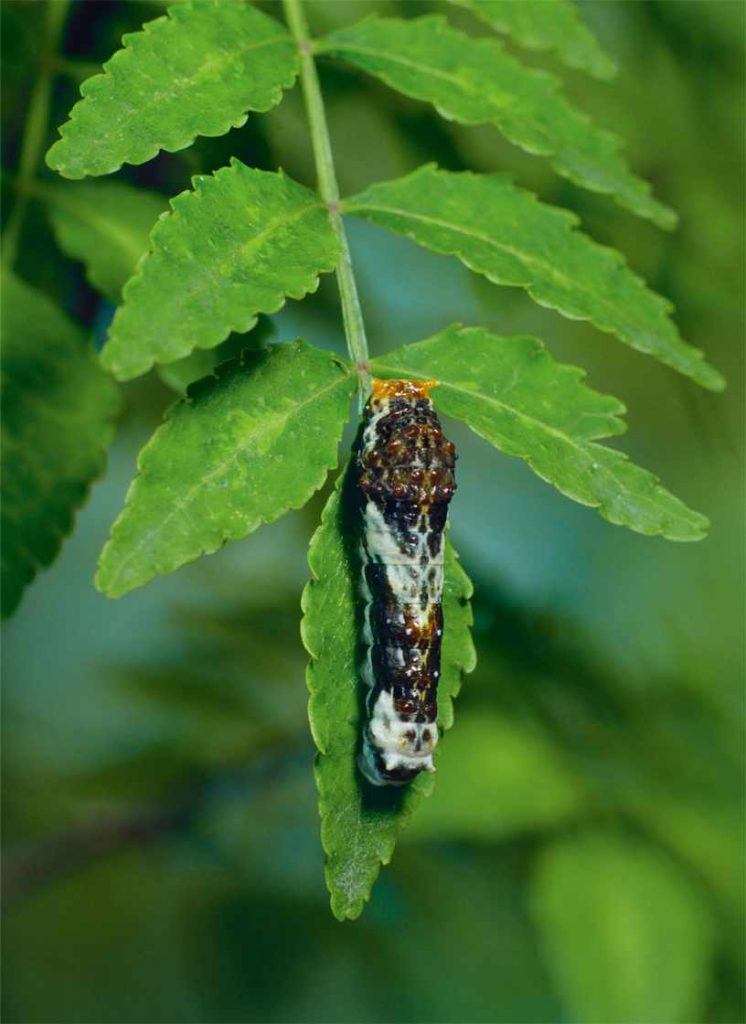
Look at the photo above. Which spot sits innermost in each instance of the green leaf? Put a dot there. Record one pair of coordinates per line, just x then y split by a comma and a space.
505, 233
487, 787
239, 244
105, 225
546, 25
204, 361
474, 81
245, 447
511, 392
195, 72
627, 935
57, 413
360, 824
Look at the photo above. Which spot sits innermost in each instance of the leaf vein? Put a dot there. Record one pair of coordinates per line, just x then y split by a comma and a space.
266, 425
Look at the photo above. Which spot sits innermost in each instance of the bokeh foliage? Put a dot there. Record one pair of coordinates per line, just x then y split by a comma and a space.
159, 812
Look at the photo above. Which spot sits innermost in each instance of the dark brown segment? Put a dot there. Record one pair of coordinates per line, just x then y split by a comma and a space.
412, 460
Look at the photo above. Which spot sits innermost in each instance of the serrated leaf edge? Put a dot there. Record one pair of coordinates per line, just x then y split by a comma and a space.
600, 65
585, 448
60, 532
91, 85
112, 591
704, 374
635, 202
241, 327
421, 787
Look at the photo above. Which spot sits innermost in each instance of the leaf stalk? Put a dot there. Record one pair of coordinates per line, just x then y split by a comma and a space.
357, 343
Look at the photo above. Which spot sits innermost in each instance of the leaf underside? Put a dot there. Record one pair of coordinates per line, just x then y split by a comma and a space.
195, 72
105, 225
626, 935
475, 81
245, 446
360, 824
546, 25
52, 447
505, 233
239, 244
512, 393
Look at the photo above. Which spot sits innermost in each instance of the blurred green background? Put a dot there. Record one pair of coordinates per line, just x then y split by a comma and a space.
582, 856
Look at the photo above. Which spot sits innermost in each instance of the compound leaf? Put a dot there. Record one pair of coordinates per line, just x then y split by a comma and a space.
238, 245
245, 446
505, 233
627, 935
511, 392
475, 81
106, 225
194, 72
360, 823
57, 421
546, 25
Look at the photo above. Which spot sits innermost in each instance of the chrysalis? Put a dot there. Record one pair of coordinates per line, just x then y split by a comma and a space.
406, 477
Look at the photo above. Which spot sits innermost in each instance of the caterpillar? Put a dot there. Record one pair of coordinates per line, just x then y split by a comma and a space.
406, 481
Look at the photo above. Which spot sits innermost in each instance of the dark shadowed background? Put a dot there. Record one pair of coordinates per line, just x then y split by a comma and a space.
582, 857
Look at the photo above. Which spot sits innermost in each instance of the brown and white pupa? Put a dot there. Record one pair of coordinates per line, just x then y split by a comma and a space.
406, 478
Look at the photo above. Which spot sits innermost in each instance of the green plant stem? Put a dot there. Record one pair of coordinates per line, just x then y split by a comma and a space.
357, 344
35, 128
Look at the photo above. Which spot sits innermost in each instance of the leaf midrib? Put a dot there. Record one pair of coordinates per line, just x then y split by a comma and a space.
498, 100
427, 69
571, 284
273, 225
262, 428
208, 66
213, 279
585, 448
605, 172
490, 399
206, 279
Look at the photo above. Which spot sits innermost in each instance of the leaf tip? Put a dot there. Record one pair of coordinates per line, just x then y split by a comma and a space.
699, 530
52, 155
344, 910
666, 218
711, 378
55, 160
111, 361
101, 579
